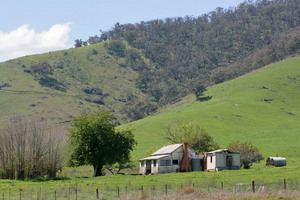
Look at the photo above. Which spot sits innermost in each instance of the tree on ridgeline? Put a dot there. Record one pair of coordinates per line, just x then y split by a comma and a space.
94, 140
93, 39
78, 43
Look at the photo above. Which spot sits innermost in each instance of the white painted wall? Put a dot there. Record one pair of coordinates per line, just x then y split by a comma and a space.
211, 162
143, 169
219, 160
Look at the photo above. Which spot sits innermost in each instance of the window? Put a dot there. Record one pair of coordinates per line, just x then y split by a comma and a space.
154, 163
165, 163
142, 163
175, 162
211, 159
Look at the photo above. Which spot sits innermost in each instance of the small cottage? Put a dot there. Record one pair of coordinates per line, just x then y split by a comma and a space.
171, 158
222, 159
276, 161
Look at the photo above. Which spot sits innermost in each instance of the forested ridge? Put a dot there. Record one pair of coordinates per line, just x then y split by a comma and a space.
135, 69
211, 48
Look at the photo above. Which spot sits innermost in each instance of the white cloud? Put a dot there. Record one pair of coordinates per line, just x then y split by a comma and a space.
25, 41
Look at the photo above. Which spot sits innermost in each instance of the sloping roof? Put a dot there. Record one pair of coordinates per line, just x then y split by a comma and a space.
167, 149
153, 157
222, 150
277, 158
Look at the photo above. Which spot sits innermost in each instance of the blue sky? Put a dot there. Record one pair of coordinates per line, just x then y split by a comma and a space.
37, 26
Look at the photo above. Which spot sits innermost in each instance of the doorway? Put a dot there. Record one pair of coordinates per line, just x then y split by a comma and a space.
229, 162
148, 166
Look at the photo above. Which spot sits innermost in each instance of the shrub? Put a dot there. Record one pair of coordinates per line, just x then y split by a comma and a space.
98, 100
143, 195
92, 90
41, 69
249, 153
116, 47
187, 190
94, 52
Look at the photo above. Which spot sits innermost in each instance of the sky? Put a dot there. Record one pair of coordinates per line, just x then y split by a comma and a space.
38, 26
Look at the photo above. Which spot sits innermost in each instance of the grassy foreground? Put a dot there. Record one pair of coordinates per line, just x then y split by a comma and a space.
272, 178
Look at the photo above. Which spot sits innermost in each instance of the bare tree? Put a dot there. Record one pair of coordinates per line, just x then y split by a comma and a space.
30, 148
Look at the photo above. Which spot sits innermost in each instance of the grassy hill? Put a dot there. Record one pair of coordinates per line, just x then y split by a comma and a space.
74, 71
261, 107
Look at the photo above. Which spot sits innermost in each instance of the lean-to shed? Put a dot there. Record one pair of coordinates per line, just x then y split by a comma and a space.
276, 161
222, 159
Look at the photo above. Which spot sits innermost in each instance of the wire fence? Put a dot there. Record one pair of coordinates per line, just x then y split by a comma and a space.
115, 192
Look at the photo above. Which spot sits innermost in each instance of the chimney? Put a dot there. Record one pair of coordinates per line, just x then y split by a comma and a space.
185, 163
205, 161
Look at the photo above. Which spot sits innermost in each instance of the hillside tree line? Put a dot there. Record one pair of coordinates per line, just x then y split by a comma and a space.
208, 49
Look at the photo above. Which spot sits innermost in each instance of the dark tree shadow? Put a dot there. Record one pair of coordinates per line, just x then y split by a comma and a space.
47, 179
52, 83
207, 98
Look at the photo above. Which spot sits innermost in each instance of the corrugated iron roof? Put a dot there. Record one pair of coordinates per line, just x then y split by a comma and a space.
167, 149
277, 158
154, 157
222, 150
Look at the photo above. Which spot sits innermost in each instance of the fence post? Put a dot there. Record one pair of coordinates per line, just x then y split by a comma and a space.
118, 192
253, 186
126, 190
234, 188
284, 184
166, 189
9, 194
76, 193
142, 188
222, 186
153, 189
97, 194
55, 194
20, 195
69, 193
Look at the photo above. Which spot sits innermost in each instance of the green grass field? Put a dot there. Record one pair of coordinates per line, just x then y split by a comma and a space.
261, 107
240, 109
271, 177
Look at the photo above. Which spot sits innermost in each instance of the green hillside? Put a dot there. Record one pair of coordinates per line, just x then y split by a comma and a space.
261, 107
240, 109
63, 97
134, 69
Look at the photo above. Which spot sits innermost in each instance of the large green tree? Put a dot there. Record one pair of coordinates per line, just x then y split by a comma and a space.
191, 133
95, 141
